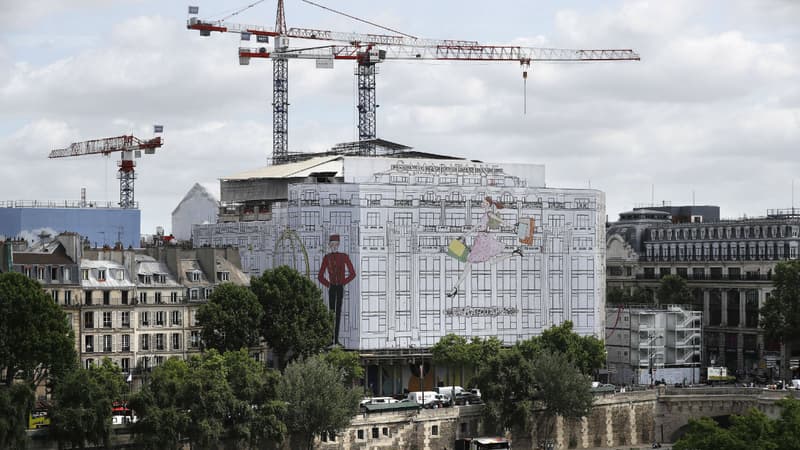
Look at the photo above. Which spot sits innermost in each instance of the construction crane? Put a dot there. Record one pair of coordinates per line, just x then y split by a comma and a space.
129, 146
368, 50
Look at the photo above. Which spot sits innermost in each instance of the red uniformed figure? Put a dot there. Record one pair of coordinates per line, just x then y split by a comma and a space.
336, 271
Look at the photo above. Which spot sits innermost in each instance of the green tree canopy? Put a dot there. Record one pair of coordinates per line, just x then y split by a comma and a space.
317, 400
623, 296
83, 402
752, 431
16, 402
673, 290
349, 363
453, 352
587, 353
780, 315
212, 401
35, 339
231, 319
296, 322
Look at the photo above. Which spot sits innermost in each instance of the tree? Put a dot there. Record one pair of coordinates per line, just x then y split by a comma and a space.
452, 351
348, 363
508, 390
231, 319
35, 339
210, 401
587, 353
623, 296
317, 400
780, 315
36, 346
254, 412
296, 322
561, 389
16, 402
705, 434
159, 407
83, 402
673, 290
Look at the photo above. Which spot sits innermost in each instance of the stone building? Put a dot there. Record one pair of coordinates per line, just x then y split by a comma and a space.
728, 265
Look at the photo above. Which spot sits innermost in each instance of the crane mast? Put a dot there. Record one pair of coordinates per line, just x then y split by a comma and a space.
129, 147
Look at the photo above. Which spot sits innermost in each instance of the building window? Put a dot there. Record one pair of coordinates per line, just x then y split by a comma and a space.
195, 275
107, 343
66, 275
89, 363
160, 317
176, 318
144, 318
375, 433
360, 435
145, 345
126, 342
194, 339
53, 273
143, 298
67, 298
88, 319
88, 344
125, 363
101, 274
373, 219
85, 274
54, 293
192, 294
160, 341
157, 296
40, 271
125, 318
223, 276
106, 297
435, 430
176, 341
106, 319
173, 297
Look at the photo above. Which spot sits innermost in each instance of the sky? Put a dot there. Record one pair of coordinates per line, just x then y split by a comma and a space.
709, 116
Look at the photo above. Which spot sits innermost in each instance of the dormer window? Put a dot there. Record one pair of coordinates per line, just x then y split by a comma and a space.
194, 275
85, 274
101, 274
223, 276
160, 278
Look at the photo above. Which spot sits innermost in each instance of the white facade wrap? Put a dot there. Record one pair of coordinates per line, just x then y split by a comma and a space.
396, 224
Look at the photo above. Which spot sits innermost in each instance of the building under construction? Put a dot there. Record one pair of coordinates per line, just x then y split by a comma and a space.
400, 216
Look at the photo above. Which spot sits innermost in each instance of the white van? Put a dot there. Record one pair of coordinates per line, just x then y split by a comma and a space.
377, 400
425, 397
450, 391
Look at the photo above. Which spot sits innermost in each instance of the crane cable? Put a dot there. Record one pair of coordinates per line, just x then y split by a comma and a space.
358, 19
236, 12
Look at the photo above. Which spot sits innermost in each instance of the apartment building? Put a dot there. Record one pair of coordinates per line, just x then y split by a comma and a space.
728, 265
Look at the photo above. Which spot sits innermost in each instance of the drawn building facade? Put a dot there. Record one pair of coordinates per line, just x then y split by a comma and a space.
396, 218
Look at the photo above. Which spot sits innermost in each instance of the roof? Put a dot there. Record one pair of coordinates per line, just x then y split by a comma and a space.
198, 190
116, 275
298, 169
147, 265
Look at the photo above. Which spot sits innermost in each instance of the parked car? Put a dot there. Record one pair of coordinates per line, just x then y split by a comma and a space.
467, 398
429, 399
377, 401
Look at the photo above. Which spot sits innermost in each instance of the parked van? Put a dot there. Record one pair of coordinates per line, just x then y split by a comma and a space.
450, 391
427, 397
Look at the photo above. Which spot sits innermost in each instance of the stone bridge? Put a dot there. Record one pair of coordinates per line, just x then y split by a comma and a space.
675, 406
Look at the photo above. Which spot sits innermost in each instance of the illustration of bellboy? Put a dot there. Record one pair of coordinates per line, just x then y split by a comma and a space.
339, 271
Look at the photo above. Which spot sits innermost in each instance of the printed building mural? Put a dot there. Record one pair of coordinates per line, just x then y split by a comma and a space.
398, 219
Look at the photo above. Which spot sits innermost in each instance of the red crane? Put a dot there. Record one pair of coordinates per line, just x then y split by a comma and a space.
129, 146
368, 50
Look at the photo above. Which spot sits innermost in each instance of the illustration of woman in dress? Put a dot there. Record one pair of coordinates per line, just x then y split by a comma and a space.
485, 247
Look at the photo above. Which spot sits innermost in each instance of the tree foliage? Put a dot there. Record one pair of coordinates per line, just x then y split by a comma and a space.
348, 363
296, 322
208, 401
231, 319
752, 431
780, 315
587, 353
673, 290
83, 402
452, 352
317, 400
623, 296
35, 340
16, 402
